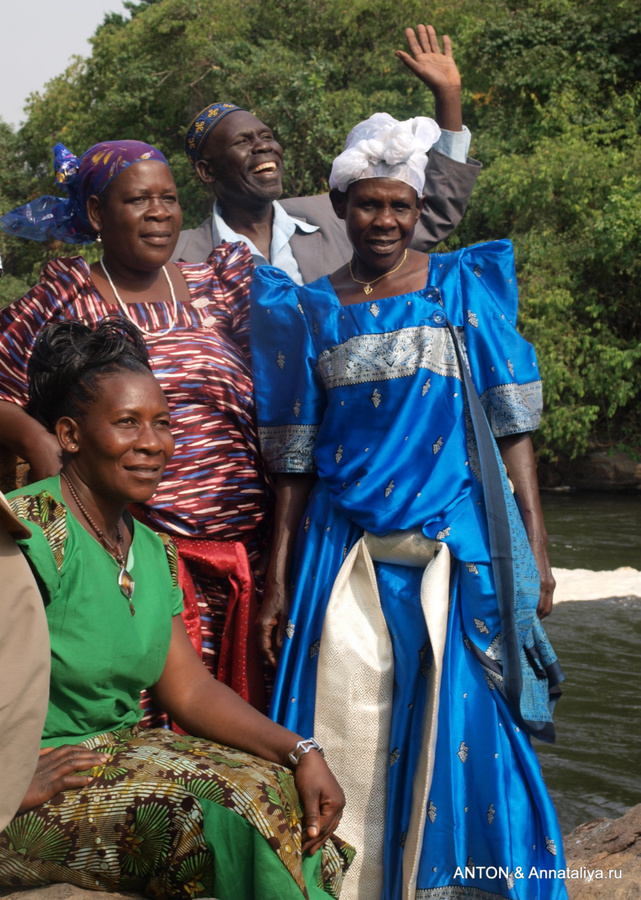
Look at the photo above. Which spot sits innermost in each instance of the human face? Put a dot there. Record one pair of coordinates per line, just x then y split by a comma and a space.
122, 443
380, 215
138, 216
242, 160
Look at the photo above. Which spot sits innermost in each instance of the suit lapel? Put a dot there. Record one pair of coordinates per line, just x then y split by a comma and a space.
308, 251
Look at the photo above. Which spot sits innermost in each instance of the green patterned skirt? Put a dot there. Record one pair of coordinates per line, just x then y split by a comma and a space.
173, 816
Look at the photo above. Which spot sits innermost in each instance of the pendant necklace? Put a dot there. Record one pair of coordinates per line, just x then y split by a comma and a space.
368, 284
125, 581
123, 305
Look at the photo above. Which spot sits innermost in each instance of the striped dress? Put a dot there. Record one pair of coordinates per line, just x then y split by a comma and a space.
214, 488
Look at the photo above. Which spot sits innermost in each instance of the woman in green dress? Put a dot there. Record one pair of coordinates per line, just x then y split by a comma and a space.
112, 806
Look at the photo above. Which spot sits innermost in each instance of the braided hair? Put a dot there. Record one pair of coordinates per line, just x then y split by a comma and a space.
70, 358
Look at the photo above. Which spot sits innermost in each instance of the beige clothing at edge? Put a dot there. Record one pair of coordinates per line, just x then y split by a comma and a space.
24, 667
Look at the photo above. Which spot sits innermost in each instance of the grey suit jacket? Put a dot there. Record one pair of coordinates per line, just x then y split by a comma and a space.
448, 187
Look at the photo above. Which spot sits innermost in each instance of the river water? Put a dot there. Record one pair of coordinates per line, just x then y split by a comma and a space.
594, 768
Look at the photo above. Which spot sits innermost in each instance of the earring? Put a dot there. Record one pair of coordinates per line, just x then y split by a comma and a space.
99, 238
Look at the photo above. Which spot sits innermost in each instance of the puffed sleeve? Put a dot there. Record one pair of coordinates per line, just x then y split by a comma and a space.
289, 398
503, 364
45, 548
233, 268
171, 551
19, 325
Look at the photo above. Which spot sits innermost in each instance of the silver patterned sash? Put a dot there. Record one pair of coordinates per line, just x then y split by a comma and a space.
354, 692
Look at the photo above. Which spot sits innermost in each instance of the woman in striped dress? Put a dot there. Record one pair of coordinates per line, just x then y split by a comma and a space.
214, 498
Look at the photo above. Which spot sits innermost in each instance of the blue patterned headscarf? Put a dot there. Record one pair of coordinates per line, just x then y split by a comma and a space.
200, 128
65, 218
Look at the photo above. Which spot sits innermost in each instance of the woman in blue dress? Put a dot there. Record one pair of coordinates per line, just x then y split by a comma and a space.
395, 400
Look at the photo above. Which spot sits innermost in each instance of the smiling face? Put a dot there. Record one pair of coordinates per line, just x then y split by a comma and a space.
242, 160
138, 216
380, 215
122, 443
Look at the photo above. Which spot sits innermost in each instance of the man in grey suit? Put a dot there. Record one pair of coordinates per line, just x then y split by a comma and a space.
237, 155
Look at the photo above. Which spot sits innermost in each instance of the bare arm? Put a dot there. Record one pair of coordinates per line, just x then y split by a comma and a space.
292, 492
518, 456
30, 440
448, 183
207, 708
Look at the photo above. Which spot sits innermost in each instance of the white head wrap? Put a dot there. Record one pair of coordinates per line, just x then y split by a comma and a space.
383, 147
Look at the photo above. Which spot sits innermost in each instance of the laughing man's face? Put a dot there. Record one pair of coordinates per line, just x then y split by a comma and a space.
242, 160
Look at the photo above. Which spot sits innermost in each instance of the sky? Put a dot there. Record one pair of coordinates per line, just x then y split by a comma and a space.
37, 37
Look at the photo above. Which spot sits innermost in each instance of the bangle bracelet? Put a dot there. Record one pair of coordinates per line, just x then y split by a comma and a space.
303, 747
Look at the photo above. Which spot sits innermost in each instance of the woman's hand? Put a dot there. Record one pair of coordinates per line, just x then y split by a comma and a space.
518, 455
270, 623
207, 708
548, 584
56, 772
322, 798
437, 70
292, 492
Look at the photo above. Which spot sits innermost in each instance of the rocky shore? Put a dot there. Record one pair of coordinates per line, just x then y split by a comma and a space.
598, 470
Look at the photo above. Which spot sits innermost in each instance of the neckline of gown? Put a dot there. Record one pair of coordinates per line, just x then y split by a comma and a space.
381, 299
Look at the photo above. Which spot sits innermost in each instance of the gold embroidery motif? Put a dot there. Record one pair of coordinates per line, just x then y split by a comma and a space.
510, 367
472, 568
314, 648
307, 524
550, 846
280, 359
472, 318
375, 397
426, 387
482, 627
339, 453
290, 629
491, 812
443, 533
462, 751
436, 446
373, 308
431, 812
296, 408
389, 489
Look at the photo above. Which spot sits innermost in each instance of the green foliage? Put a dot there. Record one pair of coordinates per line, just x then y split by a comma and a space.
552, 94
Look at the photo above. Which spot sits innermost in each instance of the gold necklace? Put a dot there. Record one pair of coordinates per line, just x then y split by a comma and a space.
368, 284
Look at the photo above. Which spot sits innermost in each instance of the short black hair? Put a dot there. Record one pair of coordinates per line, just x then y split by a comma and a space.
69, 358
